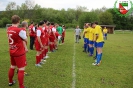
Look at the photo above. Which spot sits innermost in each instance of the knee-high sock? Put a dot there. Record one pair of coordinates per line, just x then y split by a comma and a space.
92, 50
98, 58
51, 47
88, 48
96, 53
85, 47
101, 56
37, 59
21, 78
11, 74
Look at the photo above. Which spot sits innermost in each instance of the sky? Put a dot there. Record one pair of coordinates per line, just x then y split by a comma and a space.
59, 4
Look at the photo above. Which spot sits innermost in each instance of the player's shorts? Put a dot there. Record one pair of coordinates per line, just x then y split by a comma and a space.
51, 38
86, 40
47, 41
37, 46
95, 44
100, 44
19, 61
91, 42
105, 35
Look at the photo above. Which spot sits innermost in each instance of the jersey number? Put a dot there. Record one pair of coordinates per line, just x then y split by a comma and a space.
10, 38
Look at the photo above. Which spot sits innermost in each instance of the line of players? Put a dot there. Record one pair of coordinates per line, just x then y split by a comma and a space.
94, 37
45, 35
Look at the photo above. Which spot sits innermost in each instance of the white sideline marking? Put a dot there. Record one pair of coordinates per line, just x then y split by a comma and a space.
73, 67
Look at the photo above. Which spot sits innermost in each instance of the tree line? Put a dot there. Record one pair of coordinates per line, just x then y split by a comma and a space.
30, 11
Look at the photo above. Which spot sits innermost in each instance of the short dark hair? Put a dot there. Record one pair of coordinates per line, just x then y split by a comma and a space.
45, 21
15, 19
32, 22
96, 23
52, 23
41, 23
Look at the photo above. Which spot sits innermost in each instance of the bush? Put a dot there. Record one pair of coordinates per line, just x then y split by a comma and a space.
5, 21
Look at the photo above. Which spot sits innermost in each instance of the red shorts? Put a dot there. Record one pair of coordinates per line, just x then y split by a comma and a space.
37, 46
51, 39
47, 41
19, 61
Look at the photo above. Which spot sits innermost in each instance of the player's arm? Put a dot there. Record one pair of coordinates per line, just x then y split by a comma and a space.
25, 46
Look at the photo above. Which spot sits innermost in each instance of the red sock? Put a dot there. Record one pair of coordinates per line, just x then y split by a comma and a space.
11, 74
21, 78
51, 47
37, 59
46, 51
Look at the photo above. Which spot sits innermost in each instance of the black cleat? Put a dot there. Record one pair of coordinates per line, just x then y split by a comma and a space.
11, 84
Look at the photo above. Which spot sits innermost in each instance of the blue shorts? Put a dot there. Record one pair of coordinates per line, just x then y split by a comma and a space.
95, 44
100, 44
86, 40
105, 34
91, 42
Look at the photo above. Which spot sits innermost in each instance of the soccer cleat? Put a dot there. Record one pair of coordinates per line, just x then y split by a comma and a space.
90, 55
11, 84
95, 64
38, 65
41, 63
46, 57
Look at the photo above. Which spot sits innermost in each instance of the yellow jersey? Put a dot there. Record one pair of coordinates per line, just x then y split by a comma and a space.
105, 31
91, 34
86, 32
98, 31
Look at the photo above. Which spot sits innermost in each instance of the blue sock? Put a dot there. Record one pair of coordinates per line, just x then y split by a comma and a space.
98, 58
85, 47
92, 50
101, 56
88, 49
96, 53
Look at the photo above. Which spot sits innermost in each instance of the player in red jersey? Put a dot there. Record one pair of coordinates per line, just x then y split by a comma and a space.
39, 43
16, 36
63, 33
32, 35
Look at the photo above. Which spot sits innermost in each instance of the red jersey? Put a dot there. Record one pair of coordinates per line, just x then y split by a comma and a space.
32, 33
46, 32
16, 46
42, 36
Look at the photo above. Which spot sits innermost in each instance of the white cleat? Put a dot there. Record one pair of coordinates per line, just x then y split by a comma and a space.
38, 65
94, 64
46, 57
41, 63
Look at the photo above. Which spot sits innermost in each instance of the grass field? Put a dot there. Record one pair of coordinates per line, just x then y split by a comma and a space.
116, 70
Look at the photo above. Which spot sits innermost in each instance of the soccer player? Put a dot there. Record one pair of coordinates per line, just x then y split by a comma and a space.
91, 37
59, 30
105, 31
17, 50
86, 37
39, 43
32, 35
63, 34
99, 41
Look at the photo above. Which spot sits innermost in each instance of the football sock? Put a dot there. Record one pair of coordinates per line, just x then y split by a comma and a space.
88, 48
101, 56
51, 47
11, 74
21, 78
98, 58
85, 47
37, 59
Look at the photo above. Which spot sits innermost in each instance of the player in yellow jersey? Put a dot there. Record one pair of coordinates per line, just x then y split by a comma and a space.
105, 31
99, 41
86, 37
91, 42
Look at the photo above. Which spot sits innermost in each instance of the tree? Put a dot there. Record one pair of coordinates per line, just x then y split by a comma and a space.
87, 17
106, 18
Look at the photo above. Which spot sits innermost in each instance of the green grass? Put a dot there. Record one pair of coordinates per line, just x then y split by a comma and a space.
116, 70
